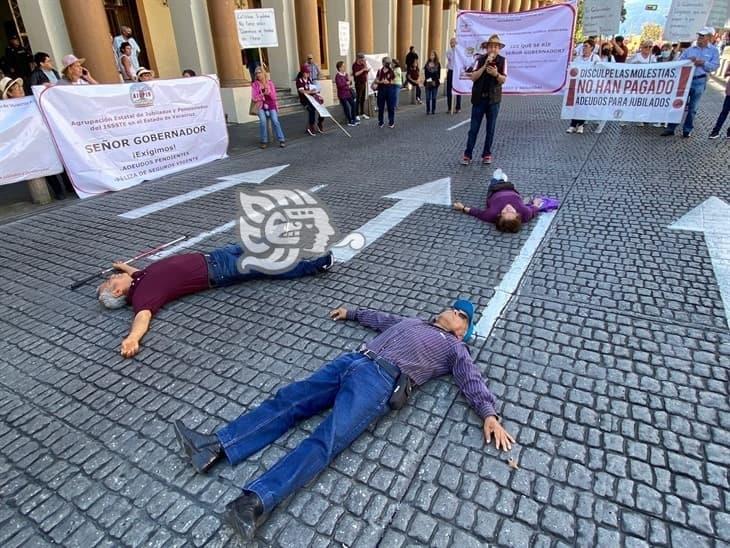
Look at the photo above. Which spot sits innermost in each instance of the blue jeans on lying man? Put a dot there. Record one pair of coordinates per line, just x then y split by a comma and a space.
223, 267
263, 129
355, 388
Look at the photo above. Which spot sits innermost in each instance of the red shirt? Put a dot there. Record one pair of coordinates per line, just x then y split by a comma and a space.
166, 280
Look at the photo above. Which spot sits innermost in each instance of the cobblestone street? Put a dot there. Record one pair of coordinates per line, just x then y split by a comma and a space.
610, 361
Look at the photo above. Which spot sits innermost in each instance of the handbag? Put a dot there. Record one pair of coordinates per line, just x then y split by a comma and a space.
253, 108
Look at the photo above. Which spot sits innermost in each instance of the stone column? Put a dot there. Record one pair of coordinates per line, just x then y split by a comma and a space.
191, 26
514, 5
435, 20
464, 4
487, 5
476, 5
404, 24
525, 5
364, 26
225, 43
91, 39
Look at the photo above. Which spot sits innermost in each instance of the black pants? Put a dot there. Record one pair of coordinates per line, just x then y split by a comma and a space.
449, 90
576, 123
418, 88
362, 97
723, 116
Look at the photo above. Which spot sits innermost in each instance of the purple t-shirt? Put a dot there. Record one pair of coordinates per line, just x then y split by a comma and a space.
344, 91
166, 280
497, 201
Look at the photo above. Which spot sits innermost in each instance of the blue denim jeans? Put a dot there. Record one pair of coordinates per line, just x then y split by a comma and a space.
263, 130
355, 387
223, 267
387, 95
431, 94
479, 111
349, 108
693, 103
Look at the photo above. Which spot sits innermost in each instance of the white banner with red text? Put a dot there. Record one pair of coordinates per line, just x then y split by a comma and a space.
538, 46
112, 137
26, 149
628, 93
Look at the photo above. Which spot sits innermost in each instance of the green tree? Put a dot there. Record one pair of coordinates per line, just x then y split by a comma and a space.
651, 31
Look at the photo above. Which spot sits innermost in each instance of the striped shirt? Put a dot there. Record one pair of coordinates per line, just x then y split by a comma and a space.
423, 351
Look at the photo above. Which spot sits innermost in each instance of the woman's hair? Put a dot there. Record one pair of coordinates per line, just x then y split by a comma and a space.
435, 57
189, 72
124, 45
300, 74
339, 64
396, 63
508, 225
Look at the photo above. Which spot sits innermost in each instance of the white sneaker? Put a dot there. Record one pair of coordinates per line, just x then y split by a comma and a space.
357, 118
623, 124
579, 129
640, 124
365, 117
658, 124
571, 129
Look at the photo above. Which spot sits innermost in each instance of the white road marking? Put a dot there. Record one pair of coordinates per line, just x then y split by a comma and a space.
712, 217
458, 125
254, 177
600, 127
190, 242
511, 281
436, 192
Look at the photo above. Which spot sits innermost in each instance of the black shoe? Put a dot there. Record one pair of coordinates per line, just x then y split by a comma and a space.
686, 134
330, 262
244, 514
203, 450
714, 135
667, 133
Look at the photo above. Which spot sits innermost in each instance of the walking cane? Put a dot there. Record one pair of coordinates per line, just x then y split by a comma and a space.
142, 255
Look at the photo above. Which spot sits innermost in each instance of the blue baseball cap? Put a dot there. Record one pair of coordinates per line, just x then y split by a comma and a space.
467, 308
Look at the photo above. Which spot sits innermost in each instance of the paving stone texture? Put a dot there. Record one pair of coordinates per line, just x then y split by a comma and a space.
610, 363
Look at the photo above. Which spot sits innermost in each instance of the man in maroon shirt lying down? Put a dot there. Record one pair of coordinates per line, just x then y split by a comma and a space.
358, 387
163, 281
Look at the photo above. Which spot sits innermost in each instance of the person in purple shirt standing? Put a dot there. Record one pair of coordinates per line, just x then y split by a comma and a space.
151, 288
358, 387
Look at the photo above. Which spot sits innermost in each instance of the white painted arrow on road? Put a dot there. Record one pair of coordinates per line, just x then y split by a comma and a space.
409, 200
254, 177
713, 218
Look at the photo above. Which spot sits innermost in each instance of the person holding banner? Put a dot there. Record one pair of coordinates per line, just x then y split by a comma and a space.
387, 90
306, 87
488, 77
587, 57
151, 288
263, 94
706, 60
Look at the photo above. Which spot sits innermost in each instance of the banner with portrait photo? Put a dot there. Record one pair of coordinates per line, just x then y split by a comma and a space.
538, 46
628, 93
26, 148
112, 137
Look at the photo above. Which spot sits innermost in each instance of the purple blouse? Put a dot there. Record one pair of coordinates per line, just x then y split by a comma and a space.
497, 201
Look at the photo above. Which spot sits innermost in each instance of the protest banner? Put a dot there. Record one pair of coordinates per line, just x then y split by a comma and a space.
685, 18
601, 17
256, 28
323, 112
374, 62
343, 33
538, 47
115, 136
26, 148
628, 93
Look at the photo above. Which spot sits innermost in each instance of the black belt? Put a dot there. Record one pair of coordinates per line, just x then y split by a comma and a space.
389, 368
700, 76
209, 263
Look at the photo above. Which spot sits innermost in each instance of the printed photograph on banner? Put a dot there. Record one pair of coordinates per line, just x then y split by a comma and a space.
629, 93
279, 227
116, 136
537, 47
26, 149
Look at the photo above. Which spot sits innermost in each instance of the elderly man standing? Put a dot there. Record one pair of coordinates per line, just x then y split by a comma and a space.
359, 387
126, 36
706, 60
149, 289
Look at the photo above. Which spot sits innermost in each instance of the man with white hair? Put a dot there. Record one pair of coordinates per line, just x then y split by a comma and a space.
126, 36
706, 59
150, 288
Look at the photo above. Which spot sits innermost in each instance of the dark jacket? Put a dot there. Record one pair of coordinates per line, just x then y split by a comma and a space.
38, 77
487, 87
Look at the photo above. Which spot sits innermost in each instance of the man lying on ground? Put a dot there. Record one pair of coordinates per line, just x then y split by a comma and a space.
359, 387
505, 207
163, 281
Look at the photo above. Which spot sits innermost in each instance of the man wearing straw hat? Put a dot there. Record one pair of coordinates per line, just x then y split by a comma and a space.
488, 77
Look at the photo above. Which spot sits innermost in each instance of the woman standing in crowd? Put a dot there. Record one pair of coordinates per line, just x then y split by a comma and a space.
345, 94
125, 62
73, 73
606, 55
263, 94
360, 69
413, 76
44, 73
665, 54
644, 55
398, 82
305, 87
431, 79
188, 73
586, 58
386, 92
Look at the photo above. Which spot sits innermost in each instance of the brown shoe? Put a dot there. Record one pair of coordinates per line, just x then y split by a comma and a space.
263, 145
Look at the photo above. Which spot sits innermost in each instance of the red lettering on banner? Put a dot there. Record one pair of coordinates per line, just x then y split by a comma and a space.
683, 79
570, 100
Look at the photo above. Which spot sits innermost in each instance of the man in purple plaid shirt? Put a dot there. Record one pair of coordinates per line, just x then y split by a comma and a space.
358, 387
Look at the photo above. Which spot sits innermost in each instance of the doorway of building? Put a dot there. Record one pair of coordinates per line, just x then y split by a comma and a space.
123, 13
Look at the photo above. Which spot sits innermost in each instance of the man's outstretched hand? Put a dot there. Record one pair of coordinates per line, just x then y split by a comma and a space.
502, 439
129, 347
339, 313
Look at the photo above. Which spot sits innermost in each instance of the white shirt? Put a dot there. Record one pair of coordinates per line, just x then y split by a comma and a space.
118, 41
637, 58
